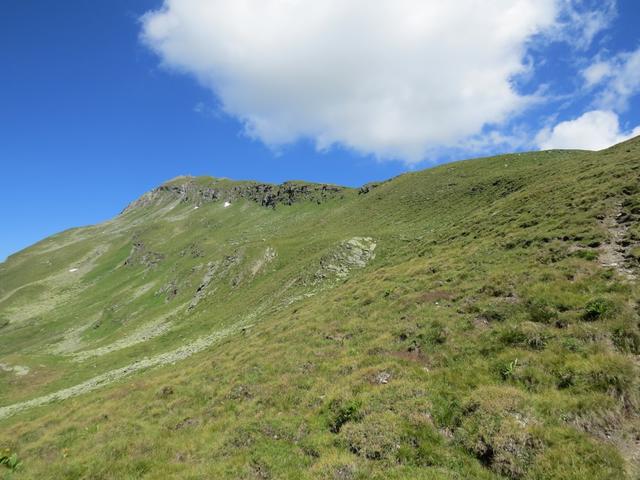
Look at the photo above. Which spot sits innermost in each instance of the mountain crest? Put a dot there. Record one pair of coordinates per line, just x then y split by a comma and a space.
202, 190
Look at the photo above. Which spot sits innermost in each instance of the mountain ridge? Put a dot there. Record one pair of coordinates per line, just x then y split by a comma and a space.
474, 320
204, 189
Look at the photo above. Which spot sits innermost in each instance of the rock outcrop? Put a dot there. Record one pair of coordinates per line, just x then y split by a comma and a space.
141, 255
354, 253
201, 191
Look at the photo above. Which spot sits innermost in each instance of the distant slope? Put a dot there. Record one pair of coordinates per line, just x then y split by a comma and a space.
479, 319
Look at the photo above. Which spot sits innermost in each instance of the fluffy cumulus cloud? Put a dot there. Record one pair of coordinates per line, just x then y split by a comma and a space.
612, 82
395, 78
595, 73
618, 79
594, 130
391, 77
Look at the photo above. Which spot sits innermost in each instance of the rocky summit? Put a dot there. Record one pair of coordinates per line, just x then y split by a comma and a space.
479, 319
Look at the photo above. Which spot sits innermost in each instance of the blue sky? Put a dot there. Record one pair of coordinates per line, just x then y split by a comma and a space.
102, 101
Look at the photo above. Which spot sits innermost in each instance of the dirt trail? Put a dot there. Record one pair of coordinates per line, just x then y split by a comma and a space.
615, 252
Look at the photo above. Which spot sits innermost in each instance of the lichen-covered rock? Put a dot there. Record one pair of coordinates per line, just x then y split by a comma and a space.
267, 257
216, 270
201, 291
141, 255
169, 290
354, 253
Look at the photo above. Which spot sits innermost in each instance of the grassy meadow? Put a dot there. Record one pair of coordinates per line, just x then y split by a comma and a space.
479, 319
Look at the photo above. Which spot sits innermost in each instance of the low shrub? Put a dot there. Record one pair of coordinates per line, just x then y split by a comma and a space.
528, 335
376, 437
611, 373
573, 455
596, 309
497, 429
343, 411
586, 254
9, 459
436, 334
492, 315
626, 337
540, 311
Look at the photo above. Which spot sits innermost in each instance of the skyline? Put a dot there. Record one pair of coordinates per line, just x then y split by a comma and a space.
102, 102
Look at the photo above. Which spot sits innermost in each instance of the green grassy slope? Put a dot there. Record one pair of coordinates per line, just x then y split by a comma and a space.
475, 320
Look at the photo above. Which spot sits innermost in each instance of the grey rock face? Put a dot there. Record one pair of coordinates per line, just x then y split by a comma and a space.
140, 255
356, 252
264, 194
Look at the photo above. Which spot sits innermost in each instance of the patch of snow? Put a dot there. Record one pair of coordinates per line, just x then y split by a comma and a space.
71, 270
227, 204
196, 207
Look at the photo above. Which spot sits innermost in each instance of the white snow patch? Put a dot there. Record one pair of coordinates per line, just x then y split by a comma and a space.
196, 207
227, 204
71, 270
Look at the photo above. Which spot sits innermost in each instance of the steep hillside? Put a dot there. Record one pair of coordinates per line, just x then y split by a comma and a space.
479, 319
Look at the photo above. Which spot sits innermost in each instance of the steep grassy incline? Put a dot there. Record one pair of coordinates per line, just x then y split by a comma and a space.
475, 320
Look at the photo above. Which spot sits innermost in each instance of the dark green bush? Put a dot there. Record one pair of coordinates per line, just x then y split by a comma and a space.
512, 336
341, 412
586, 254
596, 309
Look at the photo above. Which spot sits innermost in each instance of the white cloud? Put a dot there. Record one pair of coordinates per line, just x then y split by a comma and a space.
596, 73
619, 78
396, 78
581, 21
593, 130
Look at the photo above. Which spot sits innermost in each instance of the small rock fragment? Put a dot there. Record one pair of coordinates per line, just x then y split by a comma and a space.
382, 378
